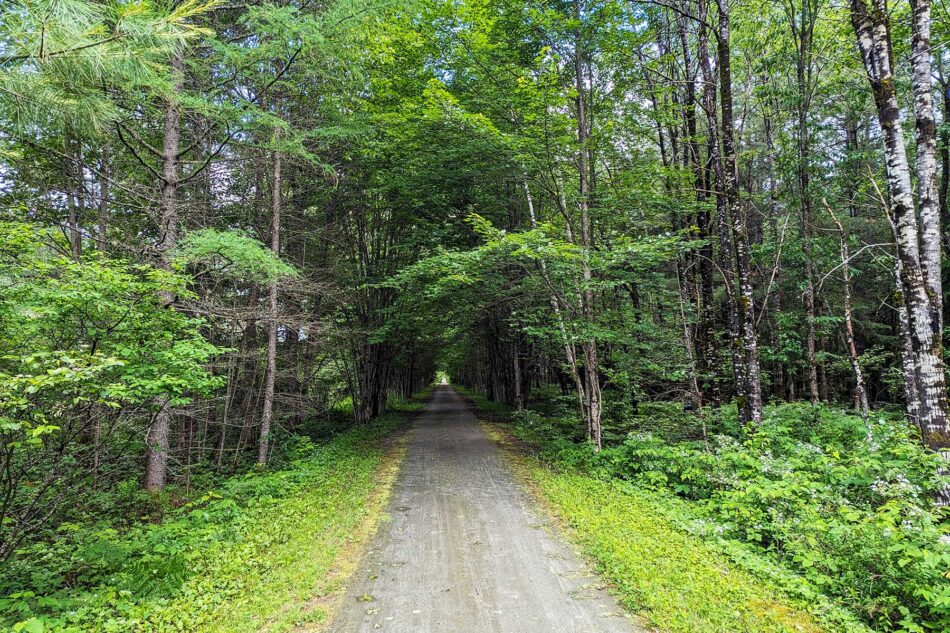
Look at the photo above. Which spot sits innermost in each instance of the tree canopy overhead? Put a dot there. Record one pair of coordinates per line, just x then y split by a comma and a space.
227, 226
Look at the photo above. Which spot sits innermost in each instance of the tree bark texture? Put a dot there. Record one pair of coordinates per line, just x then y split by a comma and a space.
917, 254
270, 375
159, 431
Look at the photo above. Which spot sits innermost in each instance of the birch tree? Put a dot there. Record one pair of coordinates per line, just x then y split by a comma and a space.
916, 220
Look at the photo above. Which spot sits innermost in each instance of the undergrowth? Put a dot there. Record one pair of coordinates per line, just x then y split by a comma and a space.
821, 505
683, 583
248, 555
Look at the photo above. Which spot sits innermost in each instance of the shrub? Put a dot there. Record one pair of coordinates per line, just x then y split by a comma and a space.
844, 502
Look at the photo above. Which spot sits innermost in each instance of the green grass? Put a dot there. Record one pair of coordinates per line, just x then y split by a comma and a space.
268, 551
679, 581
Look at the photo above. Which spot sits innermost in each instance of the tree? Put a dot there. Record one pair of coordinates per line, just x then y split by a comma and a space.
917, 240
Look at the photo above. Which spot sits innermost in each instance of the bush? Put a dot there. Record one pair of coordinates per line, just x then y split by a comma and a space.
844, 502
237, 556
88, 351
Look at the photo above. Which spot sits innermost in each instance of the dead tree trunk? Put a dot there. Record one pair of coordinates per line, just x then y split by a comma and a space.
860, 391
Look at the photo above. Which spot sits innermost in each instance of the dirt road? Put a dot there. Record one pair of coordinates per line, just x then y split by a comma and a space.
466, 550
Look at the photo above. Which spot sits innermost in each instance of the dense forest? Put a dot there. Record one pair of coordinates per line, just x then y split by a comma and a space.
690, 244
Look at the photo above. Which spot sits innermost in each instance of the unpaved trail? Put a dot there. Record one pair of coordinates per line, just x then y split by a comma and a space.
467, 551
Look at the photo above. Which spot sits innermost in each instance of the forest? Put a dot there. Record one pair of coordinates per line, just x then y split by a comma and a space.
685, 255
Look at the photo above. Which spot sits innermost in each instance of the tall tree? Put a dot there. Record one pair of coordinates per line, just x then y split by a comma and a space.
270, 376
158, 438
917, 241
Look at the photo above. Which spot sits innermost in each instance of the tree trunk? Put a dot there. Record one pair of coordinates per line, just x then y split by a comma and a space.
926, 136
915, 260
103, 219
688, 343
778, 367
945, 156
271, 372
851, 147
726, 193
157, 440
704, 345
516, 366
802, 26
908, 370
570, 353
860, 391
74, 195
944, 147
751, 397
589, 346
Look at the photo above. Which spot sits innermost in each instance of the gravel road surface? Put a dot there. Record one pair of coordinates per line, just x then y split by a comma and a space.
466, 550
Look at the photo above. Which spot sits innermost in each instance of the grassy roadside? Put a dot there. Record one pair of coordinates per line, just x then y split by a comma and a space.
311, 568
268, 551
681, 582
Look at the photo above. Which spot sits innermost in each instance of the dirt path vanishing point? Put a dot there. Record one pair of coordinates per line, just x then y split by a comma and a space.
466, 550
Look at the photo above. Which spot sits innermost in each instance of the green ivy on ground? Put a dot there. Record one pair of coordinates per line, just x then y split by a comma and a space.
255, 554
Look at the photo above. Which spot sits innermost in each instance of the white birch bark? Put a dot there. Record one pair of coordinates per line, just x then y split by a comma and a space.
913, 248
926, 137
